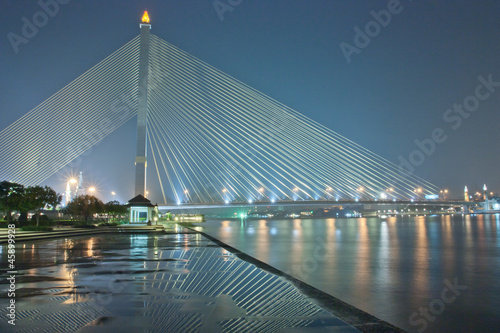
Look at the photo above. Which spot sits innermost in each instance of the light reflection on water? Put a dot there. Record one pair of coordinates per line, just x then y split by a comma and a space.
388, 267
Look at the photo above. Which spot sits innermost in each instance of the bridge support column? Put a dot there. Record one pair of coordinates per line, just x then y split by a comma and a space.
142, 114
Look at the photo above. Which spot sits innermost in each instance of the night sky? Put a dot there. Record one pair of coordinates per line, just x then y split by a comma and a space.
395, 90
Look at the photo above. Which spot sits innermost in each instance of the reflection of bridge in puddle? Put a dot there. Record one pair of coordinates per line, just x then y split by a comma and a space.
159, 283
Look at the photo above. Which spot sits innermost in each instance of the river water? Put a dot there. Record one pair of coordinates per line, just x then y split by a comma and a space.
422, 274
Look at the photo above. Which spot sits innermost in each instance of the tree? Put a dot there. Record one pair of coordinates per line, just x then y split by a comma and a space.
85, 206
114, 208
37, 198
11, 196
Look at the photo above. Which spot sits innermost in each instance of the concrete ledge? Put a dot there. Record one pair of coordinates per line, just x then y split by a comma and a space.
25, 236
360, 319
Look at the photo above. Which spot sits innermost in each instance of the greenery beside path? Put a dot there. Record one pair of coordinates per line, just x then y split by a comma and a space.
84, 210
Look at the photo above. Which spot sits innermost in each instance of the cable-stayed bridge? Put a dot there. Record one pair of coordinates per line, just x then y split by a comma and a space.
208, 137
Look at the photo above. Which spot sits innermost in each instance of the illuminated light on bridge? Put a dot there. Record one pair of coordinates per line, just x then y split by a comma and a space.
145, 17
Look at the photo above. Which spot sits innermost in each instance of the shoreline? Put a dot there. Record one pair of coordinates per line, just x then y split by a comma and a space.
353, 316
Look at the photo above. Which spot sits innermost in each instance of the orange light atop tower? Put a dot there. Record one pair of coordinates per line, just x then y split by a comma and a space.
145, 17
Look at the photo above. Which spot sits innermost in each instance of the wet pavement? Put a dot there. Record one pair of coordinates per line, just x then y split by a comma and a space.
151, 283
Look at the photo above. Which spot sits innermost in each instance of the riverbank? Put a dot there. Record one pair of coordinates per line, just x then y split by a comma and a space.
222, 287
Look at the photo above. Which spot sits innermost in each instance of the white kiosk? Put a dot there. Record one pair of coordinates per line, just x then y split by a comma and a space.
141, 209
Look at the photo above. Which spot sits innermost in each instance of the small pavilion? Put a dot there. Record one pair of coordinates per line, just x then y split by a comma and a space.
141, 209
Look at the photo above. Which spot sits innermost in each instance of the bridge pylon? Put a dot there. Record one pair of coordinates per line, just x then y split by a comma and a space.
142, 113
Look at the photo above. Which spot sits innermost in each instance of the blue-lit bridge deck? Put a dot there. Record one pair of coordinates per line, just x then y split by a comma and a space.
315, 203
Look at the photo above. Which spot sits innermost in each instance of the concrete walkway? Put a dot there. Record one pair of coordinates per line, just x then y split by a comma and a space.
149, 281
66, 231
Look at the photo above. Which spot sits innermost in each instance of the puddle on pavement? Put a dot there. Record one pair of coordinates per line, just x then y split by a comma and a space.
150, 283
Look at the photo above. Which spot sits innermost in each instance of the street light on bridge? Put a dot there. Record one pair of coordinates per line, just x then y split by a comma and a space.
261, 192
329, 191
224, 195
360, 190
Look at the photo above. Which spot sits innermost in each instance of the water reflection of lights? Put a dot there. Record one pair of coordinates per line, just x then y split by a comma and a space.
273, 231
338, 235
250, 230
90, 251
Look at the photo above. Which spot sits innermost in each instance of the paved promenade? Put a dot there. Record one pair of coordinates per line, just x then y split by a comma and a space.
180, 281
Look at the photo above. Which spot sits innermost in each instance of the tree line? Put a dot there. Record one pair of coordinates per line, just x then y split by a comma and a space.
15, 197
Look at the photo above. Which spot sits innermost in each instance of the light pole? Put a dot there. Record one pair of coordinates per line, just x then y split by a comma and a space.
361, 190
329, 191
418, 191
224, 195
261, 193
